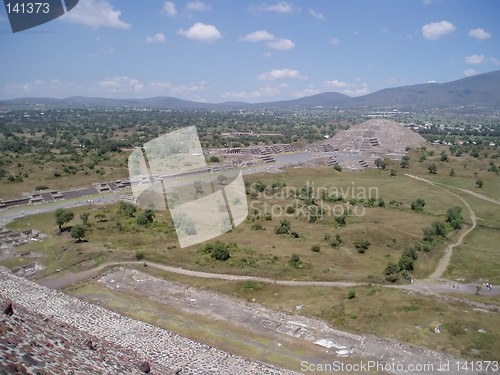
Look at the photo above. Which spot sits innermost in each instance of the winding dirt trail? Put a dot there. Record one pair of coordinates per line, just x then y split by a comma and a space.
445, 260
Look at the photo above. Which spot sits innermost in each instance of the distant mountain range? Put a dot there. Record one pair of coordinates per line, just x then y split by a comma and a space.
477, 93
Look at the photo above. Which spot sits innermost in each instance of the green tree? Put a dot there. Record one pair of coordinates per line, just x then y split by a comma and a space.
145, 218
479, 183
78, 232
391, 268
63, 216
284, 227
351, 294
84, 216
295, 261
418, 205
454, 217
439, 228
362, 245
338, 167
380, 163
432, 168
444, 156
405, 161
214, 159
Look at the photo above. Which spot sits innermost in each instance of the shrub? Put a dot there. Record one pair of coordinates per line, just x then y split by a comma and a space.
454, 217
418, 205
351, 294
392, 278
391, 268
257, 226
316, 248
340, 220
295, 261
362, 245
290, 209
213, 159
220, 253
139, 255
406, 263
78, 232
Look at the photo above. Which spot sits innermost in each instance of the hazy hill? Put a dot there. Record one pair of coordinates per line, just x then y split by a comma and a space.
477, 93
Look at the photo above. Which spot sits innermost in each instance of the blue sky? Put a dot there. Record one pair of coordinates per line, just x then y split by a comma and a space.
252, 51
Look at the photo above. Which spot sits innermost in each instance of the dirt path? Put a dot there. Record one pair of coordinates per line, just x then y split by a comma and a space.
445, 260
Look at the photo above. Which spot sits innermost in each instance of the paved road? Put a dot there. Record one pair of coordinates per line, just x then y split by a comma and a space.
12, 213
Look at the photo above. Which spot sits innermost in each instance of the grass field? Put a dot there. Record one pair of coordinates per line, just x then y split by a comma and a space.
262, 252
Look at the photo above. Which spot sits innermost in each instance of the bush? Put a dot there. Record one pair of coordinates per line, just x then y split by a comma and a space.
290, 209
295, 261
406, 263
418, 205
139, 255
316, 248
220, 253
257, 226
362, 245
351, 294
454, 217
392, 278
340, 220
213, 159
391, 268
78, 232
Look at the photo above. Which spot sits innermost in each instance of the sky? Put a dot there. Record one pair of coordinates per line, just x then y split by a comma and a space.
253, 51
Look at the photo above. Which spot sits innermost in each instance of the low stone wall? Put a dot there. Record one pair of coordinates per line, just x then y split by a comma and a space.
45, 315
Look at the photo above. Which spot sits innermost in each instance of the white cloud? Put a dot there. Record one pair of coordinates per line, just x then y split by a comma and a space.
469, 72
198, 6
169, 8
202, 33
258, 36
316, 14
334, 40
281, 44
480, 34
157, 38
437, 30
96, 13
335, 84
177, 89
427, 2
280, 7
117, 87
475, 59
351, 89
121, 84
280, 74
273, 41
356, 91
